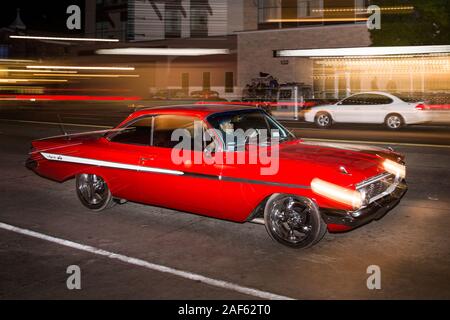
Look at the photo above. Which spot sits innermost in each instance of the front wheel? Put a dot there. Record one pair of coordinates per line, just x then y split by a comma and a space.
294, 221
93, 192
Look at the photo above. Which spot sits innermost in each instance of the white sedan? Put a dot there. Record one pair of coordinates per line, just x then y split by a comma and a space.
369, 107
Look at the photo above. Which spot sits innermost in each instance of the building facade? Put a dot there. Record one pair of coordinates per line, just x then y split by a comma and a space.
252, 31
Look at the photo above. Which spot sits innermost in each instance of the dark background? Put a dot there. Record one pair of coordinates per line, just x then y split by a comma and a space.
48, 16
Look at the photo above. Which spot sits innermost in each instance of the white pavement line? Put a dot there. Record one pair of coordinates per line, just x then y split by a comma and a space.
380, 142
58, 123
142, 263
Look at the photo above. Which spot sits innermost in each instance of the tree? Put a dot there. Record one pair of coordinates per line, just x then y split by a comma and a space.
427, 24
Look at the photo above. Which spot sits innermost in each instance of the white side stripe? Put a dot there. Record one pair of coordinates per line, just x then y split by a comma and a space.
152, 266
101, 163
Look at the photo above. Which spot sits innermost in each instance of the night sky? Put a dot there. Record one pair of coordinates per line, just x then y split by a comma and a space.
38, 15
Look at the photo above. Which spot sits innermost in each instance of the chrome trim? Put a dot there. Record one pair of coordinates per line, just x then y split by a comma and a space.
375, 179
124, 166
372, 180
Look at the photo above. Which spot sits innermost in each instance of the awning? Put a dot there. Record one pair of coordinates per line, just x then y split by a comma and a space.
363, 51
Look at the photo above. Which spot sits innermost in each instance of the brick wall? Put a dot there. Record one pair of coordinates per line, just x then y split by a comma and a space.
255, 50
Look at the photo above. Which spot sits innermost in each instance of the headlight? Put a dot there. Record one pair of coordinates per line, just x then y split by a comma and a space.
395, 168
337, 193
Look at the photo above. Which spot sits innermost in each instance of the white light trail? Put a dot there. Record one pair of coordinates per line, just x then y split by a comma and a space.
163, 51
363, 51
64, 38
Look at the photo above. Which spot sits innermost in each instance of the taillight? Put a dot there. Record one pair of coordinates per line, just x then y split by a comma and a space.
420, 106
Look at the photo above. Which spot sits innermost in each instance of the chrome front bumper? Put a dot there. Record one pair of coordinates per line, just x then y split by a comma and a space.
374, 211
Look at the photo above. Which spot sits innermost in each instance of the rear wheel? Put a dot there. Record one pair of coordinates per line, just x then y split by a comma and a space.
93, 192
394, 121
323, 120
294, 221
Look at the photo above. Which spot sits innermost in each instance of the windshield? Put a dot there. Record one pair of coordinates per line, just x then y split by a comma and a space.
238, 128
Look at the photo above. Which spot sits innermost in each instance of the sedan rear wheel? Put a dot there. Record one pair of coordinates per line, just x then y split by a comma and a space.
93, 192
394, 121
293, 221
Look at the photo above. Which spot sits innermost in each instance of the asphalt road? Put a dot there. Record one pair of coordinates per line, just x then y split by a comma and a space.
410, 244
112, 113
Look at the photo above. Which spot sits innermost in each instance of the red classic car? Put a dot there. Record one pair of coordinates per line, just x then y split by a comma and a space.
316, 186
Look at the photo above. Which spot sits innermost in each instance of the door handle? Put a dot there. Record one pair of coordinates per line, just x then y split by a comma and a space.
147, 158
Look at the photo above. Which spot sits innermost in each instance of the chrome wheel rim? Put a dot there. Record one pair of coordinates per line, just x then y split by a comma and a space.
92, 189
290, 219
394, 122
323, 120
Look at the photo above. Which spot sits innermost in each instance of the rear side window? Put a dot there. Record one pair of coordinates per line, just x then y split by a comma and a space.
165, 125
378, 99
137, 133
367, 99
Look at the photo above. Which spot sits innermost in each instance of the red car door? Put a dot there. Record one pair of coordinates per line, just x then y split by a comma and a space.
180, 182
122, 152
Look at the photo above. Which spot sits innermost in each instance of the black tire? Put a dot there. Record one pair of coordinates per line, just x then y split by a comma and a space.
294, 221
394, 121
323, 120
93, 192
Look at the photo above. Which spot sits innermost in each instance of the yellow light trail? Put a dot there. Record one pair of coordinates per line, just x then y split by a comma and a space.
318, 20
31, 80
41, 71
399, 8
82, 68
81, 75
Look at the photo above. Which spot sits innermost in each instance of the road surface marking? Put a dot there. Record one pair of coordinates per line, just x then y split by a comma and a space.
306, 139
379, 142
58, 123
152, 266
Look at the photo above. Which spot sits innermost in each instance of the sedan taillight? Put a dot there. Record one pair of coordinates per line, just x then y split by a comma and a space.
420, 106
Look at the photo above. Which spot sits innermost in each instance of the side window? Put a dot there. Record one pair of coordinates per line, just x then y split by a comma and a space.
165, 125
367, 99
137, 133
354, 100
377, 99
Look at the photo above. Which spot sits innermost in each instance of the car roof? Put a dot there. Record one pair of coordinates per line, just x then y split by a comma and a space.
202, 110
387, 94
374, 92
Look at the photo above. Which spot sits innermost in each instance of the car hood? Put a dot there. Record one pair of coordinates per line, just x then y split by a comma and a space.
359, 161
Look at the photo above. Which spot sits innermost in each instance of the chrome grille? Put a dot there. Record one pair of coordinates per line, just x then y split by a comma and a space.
380, 186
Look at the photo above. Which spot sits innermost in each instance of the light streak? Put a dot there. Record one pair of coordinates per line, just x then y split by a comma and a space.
163, 51
64, 38
82, 68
